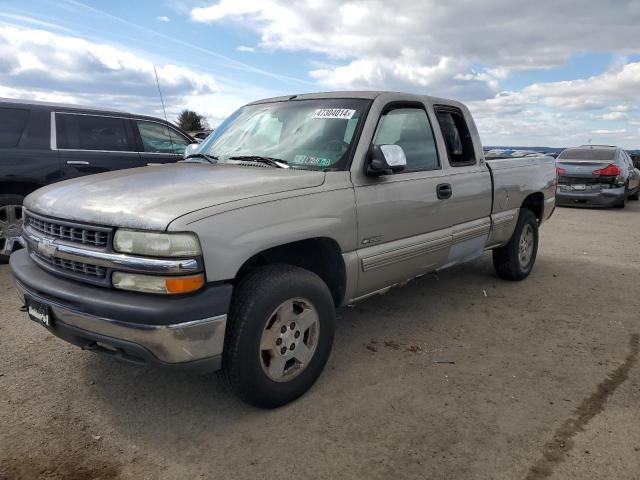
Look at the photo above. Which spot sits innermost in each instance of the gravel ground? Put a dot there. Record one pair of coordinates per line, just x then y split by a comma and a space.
545, 384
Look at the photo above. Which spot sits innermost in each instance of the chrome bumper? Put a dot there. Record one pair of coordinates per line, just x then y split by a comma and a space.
170, 344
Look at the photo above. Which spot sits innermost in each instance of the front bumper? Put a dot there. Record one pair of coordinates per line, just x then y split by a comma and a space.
185, 332
603, 198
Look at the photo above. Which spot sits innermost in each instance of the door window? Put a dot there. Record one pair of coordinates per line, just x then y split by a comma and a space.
410, 129
456, 136
91, 132
158, 138
12, 122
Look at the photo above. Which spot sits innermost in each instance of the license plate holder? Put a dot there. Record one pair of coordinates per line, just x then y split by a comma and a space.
39, 312
579, 188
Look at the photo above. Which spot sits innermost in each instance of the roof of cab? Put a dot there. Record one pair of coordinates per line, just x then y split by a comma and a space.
364, 94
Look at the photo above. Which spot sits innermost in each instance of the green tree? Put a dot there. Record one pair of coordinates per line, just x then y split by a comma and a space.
191, 121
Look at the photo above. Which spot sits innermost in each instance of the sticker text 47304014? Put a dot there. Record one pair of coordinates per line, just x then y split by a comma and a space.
341, 113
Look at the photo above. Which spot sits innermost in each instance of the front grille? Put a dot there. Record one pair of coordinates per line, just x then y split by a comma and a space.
75, 267
84, 235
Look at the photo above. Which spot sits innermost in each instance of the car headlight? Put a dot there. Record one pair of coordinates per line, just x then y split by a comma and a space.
155, 284
156, 244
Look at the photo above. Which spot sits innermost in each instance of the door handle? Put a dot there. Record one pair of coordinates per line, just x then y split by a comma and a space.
444, 191
77, 162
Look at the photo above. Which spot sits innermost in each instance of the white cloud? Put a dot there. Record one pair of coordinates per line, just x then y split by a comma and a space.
609, 132
564, 113
163, 18
244, 48
614, 116
463, 50
40, 65
487, 32
599, 91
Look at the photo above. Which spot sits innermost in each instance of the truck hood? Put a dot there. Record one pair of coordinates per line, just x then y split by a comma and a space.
152, 197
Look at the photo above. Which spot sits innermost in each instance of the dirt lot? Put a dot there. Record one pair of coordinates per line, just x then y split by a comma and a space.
545, 384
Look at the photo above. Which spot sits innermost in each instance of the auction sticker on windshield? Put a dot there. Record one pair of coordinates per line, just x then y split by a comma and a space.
309, 160
343, 113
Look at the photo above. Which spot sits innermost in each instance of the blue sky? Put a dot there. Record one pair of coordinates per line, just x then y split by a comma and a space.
530, 78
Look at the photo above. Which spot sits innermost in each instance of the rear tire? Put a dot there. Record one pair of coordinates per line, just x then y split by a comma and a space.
635, 196
279, 335
10, 225
515, 260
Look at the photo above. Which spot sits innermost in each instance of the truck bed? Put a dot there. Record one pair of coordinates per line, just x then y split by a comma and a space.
509, 189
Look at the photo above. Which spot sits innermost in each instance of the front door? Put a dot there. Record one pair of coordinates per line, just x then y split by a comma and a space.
403, 225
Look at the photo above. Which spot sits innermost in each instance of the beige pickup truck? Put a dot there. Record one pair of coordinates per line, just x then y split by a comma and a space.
237, 257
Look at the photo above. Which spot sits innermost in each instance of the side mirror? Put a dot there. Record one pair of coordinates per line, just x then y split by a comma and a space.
191, 149
385, 160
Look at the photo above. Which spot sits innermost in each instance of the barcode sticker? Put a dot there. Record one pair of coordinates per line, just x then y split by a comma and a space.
343, 113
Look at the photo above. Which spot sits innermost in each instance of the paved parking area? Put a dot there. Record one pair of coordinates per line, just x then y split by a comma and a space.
545, 384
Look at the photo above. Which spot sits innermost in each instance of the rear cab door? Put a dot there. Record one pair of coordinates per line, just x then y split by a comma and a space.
159, 142
89, 143
469, 181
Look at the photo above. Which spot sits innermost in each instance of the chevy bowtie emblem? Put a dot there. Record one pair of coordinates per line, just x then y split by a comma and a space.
47, 248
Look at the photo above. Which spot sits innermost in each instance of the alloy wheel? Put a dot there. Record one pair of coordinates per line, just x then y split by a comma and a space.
10, 228
289, 339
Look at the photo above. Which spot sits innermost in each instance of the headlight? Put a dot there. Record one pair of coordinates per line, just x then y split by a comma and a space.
156, 244
155, 284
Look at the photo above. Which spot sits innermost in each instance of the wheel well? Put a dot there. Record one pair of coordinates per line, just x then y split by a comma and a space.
535, 203
15, 188
322, 256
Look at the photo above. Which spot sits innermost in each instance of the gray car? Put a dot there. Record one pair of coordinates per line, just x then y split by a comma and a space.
596, 176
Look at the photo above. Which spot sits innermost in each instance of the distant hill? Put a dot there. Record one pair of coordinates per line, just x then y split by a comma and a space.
535, 149
540, 149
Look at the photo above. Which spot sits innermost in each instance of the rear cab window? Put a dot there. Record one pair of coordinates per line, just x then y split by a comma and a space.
159, 138
12, 123
92, 132
457, 136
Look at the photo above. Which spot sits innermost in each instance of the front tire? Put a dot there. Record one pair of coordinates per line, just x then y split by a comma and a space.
515, 260
279, 335
10, 225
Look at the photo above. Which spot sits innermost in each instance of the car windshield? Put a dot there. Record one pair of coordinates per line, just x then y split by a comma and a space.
588, 154
310, 134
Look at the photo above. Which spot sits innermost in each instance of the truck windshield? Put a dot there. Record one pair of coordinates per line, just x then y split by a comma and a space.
310, 134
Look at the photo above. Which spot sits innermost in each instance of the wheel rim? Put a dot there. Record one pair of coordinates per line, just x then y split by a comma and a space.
525, 250
289, 339
10, 228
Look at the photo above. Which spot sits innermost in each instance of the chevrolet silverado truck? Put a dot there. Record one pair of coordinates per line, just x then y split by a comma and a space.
236, 258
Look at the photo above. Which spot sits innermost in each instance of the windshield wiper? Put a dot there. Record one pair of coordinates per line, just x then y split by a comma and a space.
208, 158
275, 162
